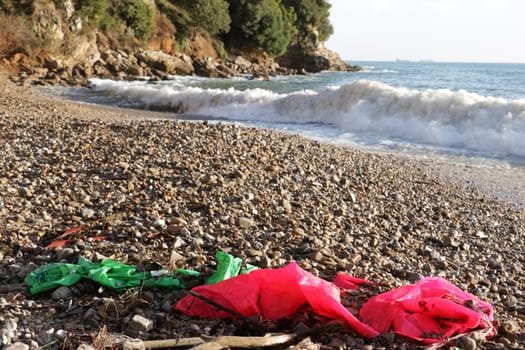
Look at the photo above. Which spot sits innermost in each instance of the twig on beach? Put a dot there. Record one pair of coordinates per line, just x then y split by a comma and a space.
137, 344
224, 342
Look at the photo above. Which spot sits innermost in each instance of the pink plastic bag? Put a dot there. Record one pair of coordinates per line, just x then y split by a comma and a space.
345, 281
429, 311
274, 294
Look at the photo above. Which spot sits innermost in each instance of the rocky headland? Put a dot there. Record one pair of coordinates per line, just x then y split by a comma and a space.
50, 44
158, 65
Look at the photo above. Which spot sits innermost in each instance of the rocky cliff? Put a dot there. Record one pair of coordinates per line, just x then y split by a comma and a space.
307, 54
51, 44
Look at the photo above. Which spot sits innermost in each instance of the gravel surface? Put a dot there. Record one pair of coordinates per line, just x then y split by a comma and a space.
162, 189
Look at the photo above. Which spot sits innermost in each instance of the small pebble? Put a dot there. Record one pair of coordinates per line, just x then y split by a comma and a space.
61, 292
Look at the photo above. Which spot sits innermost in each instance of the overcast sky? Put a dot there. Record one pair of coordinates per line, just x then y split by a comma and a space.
442, 30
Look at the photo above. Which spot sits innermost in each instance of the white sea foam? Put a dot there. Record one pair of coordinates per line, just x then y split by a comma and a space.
443, 118
381, 71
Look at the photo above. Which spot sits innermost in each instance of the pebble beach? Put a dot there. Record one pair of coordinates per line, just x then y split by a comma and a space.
165, 191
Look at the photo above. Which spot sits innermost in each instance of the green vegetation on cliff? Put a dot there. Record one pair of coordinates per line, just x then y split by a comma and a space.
241, 26
266, 25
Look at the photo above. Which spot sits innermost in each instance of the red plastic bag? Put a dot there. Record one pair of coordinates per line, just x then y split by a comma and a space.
273, 294
345, 281
429, 311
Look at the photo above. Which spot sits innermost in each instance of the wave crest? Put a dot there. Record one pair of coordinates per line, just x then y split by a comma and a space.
445, 118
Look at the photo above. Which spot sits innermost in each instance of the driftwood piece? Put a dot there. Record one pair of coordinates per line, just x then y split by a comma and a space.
225, 342
136, 344
209, 343
305, 344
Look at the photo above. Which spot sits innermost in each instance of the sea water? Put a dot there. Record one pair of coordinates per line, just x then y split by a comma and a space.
473, 111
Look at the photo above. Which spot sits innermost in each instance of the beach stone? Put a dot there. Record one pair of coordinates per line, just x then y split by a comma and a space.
47, 335
65, 253
167, 306
298, 231
85, 347
18, 346
159, 223
509, 329
61, 334
61, 292
467, 343
8, 332
245, 222
504, 342
413, 277
287, 206
88, 213
25, 192
141, 324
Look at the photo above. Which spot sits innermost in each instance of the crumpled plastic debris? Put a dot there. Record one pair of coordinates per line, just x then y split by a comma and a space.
117, 275
52, 276
272, 294
228, 266
109, 273
63, 239
348, 282
429, 311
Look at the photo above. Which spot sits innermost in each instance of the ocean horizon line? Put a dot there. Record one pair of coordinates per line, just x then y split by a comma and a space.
400, 60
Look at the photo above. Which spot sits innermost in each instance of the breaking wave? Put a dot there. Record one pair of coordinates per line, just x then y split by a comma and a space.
442, 118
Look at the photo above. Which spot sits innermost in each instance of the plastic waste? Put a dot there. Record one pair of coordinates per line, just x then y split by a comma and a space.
228, 267
109, 273
430, 311
272, 294
117, 275
52, 276
346, 281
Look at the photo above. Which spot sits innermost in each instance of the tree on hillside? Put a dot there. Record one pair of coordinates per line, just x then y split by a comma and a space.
15, 6
266, 24
178, 12
93, 11
138, 16
314, 13
211, 15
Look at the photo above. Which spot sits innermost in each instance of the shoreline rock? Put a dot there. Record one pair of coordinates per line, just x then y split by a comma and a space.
315, 60
125, 65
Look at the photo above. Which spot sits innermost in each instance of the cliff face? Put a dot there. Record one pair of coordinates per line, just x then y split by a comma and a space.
53, 45
307, 53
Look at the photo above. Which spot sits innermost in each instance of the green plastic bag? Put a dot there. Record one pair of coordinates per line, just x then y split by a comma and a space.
108, 273
117, 275
228, 266
52, 276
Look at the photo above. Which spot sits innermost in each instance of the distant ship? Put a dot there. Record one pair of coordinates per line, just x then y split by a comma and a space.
400, 60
